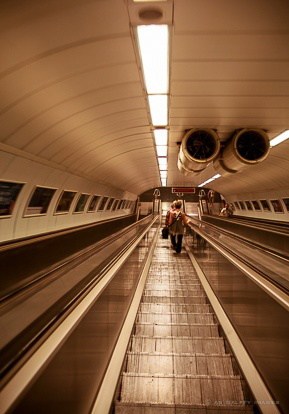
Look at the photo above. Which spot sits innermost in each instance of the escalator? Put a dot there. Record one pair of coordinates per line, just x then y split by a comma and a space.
147, 337
177, 359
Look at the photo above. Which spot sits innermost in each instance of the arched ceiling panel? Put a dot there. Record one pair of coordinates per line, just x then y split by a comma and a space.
71, 89
95, 142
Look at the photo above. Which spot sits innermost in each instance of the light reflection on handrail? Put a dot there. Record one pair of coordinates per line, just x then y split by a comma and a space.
266, 269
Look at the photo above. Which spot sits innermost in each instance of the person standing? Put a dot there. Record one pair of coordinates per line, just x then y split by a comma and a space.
177, 221
226, 211
165, 230
172, 208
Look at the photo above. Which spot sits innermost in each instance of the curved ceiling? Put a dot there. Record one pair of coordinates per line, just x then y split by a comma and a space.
72, 91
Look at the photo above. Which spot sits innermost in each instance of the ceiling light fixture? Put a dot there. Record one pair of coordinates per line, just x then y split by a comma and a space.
153, 44
163, 163
161, 136
162, 150
210, 180
159, 109
280, 138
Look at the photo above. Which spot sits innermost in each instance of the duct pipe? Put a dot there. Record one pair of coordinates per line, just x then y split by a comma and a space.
247, 147
198, 148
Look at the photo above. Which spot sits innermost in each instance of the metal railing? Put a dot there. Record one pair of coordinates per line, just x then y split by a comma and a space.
65, 312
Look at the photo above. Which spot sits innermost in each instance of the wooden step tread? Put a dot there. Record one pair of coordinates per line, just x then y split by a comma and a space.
180, 364
180, 344
182, 390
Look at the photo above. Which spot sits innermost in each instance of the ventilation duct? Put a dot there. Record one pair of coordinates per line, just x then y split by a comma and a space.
247, 147
198, 148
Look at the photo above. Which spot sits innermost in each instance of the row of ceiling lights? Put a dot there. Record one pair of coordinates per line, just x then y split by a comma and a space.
153, 44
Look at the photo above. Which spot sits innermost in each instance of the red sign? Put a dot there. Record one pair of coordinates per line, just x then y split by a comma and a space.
187, 190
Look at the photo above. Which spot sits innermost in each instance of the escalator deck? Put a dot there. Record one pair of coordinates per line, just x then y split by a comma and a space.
177, 361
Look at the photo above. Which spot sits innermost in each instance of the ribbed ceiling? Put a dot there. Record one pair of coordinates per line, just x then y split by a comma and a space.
72, 93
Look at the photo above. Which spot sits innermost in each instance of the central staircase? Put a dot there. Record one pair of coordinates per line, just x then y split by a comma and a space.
177, 361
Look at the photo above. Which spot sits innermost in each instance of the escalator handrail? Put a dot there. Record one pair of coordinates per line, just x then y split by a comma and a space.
71, 260
41, 348
273, 288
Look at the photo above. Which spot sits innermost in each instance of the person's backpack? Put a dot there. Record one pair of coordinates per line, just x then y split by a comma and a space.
178, 216
177, 224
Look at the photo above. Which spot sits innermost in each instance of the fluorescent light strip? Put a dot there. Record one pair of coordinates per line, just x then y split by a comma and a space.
159, 109
153, 43
161, 141
161, 136
210, 180
163, 163
280, 138
162, 150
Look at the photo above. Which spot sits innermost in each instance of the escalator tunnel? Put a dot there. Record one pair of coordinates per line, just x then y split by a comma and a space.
187, 333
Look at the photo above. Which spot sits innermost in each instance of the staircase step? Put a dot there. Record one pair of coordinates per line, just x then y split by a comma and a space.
172, 285
176, 318
175, 308
179, 293
180, 345
179, 364
173, 281
164, 330
174, 299
221, 392
147, 408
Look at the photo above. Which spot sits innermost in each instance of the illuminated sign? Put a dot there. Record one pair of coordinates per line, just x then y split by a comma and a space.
184, 190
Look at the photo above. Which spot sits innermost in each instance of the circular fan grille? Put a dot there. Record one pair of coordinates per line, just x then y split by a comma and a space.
201, 145
251, 146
